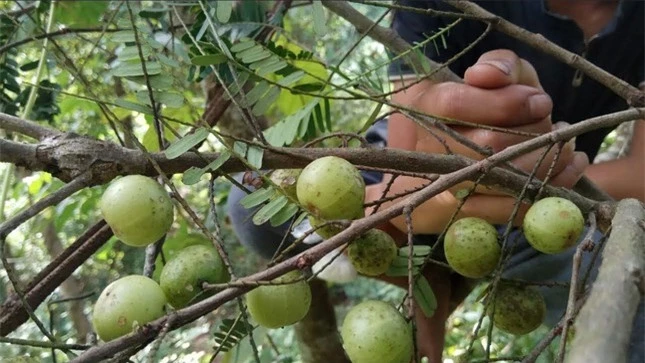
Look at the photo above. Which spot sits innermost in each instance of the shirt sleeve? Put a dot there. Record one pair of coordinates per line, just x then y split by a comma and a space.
416, 27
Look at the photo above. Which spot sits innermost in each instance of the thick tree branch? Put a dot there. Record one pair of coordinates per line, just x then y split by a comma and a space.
307, 258
604, 325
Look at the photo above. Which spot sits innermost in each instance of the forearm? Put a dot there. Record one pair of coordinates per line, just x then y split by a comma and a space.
621, 178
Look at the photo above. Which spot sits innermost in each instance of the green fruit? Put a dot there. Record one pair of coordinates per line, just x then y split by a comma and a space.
138, 210
471, 247
127, 302
553, 225
518, 309
332, 188
173, 245
182, 277
372, 253
286, 179
325, 232
275, 306
374, 331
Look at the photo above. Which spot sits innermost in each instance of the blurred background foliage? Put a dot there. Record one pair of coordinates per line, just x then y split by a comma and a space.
76, 91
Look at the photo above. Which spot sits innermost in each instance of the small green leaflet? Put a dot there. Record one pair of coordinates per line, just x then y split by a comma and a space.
397, 271
291, 79
135, 69
240, 148
224, 9
263, 104
419, 250
254, 156
229, 334
170, 99
186, 143
125, 36
133, 106
424, 296
243, 45
284, 214
256, 198
208, 59
403, 261
270, 209
319, 18
193, 174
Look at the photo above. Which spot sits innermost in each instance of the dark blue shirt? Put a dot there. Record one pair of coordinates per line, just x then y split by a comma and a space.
618, 49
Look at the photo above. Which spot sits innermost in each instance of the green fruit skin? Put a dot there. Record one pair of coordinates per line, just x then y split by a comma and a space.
518, 310
553, 225
372, 253
124, 302
374, 331
332, 188
275, 306
182, 277
173, 245
325, 232
471, 247
287, 179
138, 210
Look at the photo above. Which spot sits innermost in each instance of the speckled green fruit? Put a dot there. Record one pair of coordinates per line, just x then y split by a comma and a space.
374, 331
127, 302
372, 253
518, 309
138, 210
471, 247
332, 188
182, 277
553, 225
275, 306
286, 179
325, 232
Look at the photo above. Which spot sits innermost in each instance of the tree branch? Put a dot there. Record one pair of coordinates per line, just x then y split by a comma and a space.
25, 127
604, 325
305, 259
388, 38
631, 94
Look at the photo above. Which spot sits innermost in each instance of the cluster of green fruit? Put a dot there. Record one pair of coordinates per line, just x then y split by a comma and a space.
140, 212
471, 247
331, 188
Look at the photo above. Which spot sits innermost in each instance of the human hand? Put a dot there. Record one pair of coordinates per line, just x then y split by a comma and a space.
500, 90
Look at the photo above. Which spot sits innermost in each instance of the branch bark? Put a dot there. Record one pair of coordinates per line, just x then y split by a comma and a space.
603, 327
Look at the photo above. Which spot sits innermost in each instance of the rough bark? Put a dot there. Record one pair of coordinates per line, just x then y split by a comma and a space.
604, 325
317, 333
71, 287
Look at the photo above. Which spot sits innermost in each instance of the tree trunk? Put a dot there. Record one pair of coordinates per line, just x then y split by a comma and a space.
317, 333
70, 288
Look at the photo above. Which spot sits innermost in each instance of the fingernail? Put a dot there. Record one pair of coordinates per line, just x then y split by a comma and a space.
504, 67
540, 106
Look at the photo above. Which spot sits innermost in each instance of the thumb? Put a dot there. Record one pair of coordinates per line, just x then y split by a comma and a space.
500, 68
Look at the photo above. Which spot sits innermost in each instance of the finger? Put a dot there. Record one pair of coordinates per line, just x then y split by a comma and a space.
499, 68
572, 173
494, 209
510, 106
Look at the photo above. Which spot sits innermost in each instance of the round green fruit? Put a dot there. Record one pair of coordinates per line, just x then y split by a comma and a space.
325, 232
332, 188
518, 309
275, 306
286, 179
182, 277
374, 331
372, 253
553, 225
471, 247
125, 303
138, 210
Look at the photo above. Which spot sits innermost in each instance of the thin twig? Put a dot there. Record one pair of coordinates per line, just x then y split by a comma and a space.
40, 344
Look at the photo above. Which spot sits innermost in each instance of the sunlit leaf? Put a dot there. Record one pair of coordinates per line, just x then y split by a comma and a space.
254, 156
192, 175
286, 213
319, 18
269, 210
224, 9
256, 198
135, 69
186, 143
